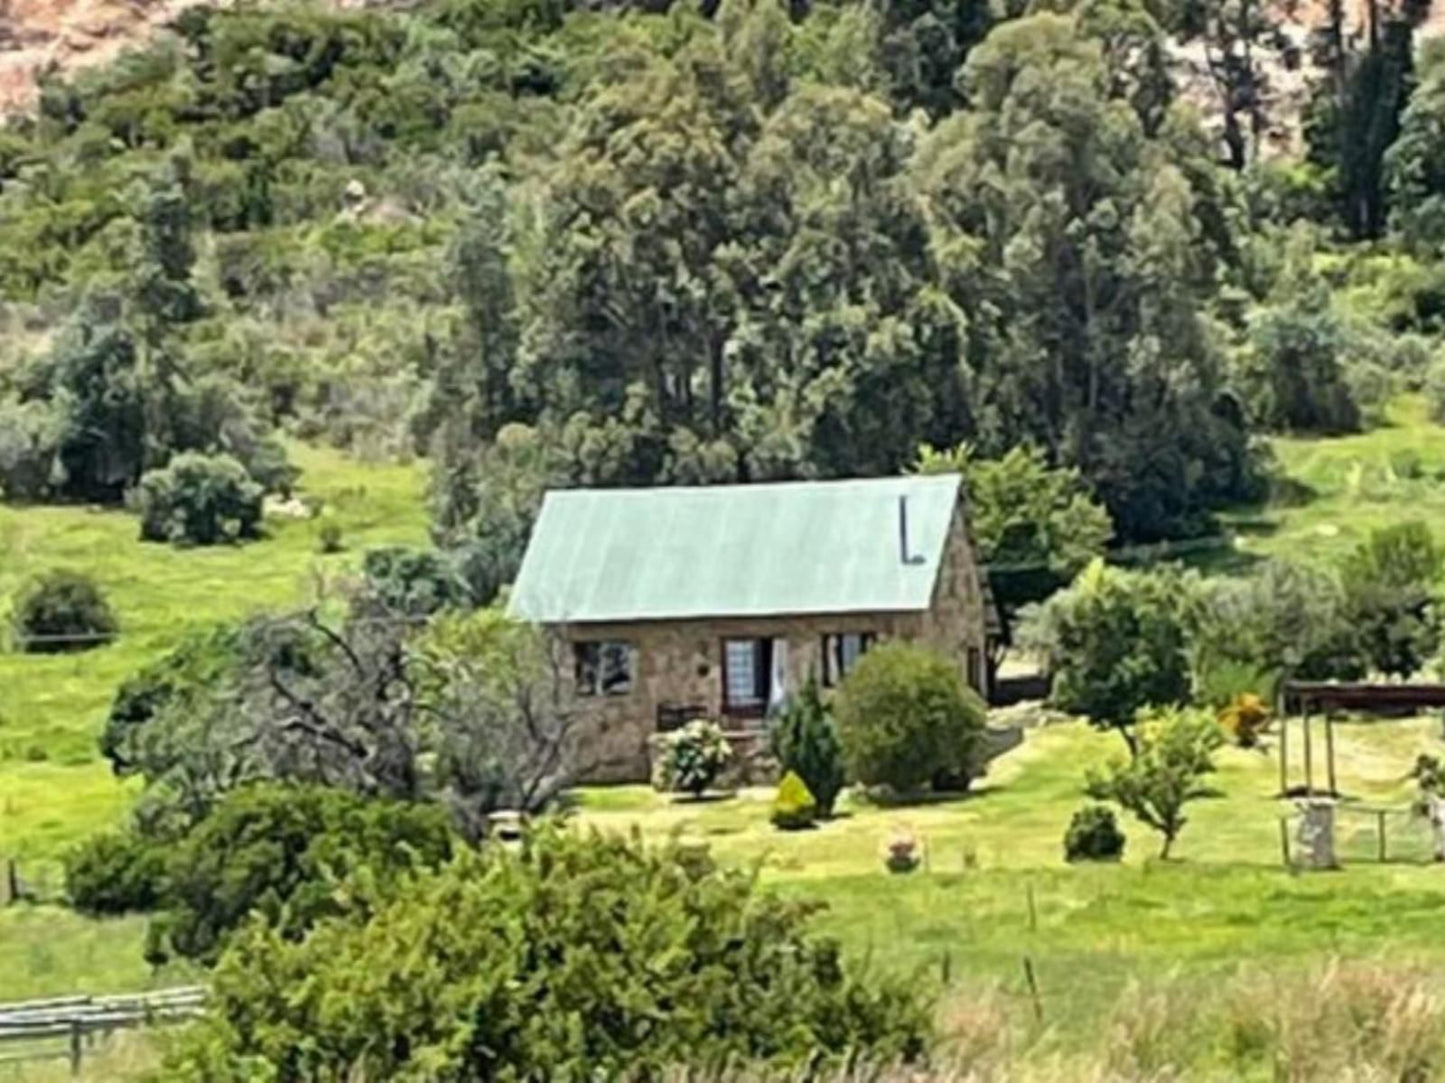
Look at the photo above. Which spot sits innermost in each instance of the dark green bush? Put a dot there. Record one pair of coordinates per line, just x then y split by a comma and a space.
905, 715
63, 611
690, 759
794, 807
115, 873
281, 851
412, 582
1093, 835
805, 741
199, 500
577, 956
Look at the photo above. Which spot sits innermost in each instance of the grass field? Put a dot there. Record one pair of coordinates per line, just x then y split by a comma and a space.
54, 787
994, 889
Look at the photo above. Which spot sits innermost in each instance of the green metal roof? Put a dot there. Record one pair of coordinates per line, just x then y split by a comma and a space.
735, 550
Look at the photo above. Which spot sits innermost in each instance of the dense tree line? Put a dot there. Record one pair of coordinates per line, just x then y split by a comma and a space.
655, 244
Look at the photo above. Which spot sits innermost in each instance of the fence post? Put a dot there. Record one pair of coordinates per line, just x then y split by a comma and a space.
12, 881
1381, 816
1284, 839
75, 1046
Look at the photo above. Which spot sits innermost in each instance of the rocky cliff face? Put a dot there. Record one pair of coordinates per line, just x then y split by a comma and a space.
39, 36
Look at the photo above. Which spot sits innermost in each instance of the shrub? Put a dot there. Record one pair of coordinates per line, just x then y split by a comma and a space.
1244, 719
329, 539
522, 977
1174, 754
690, 759
1115, 641
115, 873
280, 851
905, 715
411, 582
1093, 835
63, 611
794, 807
1390, 582
805, 742
199, 500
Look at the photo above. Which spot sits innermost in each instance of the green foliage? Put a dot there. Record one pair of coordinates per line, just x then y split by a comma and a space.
1295, 358
294, 855
1174, 754
1115, 642
1093, 835
905, 716
1033, 525
1283, 620
1390, 586
525, 978
115, 873
199, 500
63, 611
794, 807
1244, 719
805, 742
1415, 162
412, 583
690, 759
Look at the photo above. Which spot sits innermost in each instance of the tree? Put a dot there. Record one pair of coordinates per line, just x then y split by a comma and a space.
467, 712
905, 716
1079, 249
1115, 642
805, 742
502, 728
1166, 774
1414, 165
523, 977
1033, 527
1390, 584
1294, 363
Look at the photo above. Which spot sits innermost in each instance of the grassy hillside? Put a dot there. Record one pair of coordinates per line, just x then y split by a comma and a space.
54, 787
1343, 487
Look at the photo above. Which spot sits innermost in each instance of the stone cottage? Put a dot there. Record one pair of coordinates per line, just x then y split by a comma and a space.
719, 601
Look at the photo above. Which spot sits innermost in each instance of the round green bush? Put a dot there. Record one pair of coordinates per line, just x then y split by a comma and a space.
115, 873
905, 716
794, 808
63, 611
1093, 835
199, 500
690, 759
576, 955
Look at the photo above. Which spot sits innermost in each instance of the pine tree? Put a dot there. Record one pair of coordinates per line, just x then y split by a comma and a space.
805, 741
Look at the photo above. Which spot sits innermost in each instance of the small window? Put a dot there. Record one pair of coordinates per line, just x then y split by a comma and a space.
975, 669
747, 668
604, 668
841, 653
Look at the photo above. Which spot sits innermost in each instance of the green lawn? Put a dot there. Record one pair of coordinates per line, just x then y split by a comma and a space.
54, 787
1353, 484
1225, 903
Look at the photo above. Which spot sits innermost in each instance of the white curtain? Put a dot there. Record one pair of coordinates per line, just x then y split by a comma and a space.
778, 679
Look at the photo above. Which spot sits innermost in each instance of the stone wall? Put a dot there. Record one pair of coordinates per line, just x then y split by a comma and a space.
679, 663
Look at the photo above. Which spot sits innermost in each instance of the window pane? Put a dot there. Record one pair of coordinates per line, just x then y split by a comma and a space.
741, 689
616, 668
852, 650
587, 664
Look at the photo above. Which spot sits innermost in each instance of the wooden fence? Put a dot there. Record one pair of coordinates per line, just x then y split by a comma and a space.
65, 1027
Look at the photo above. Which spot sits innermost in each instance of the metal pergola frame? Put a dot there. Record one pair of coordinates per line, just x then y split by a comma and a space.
1307, 696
